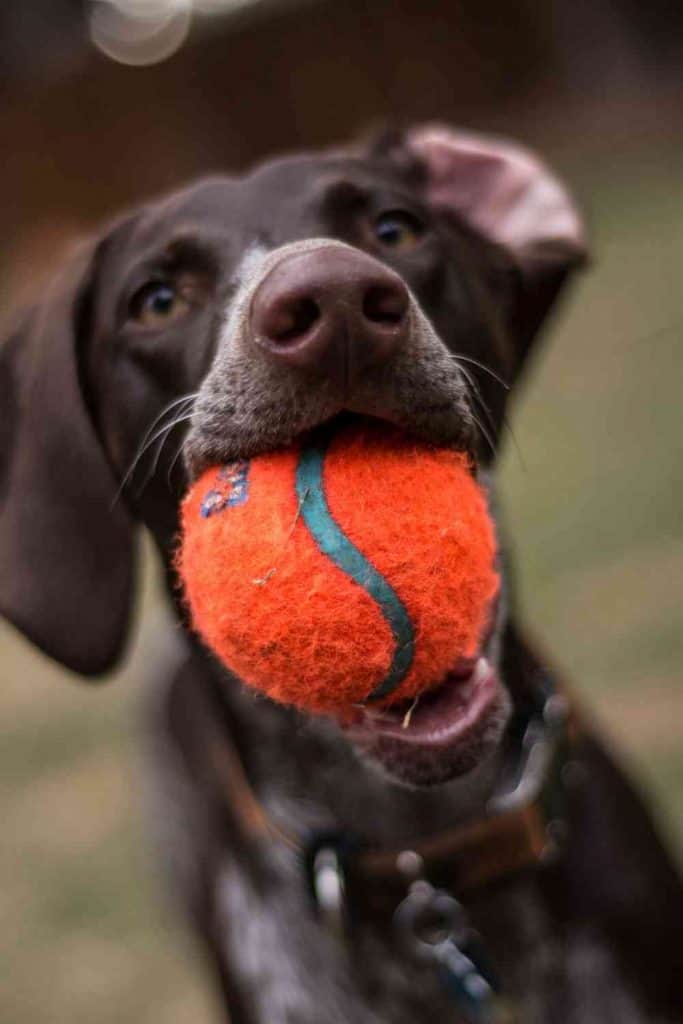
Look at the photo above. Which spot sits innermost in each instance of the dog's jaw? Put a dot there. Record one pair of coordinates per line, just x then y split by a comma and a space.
247, 406
459, 727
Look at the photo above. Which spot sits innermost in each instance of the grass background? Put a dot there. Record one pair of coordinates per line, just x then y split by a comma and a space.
594, 497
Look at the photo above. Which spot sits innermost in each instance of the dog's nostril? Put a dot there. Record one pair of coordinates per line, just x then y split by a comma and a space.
291, 320
383, 304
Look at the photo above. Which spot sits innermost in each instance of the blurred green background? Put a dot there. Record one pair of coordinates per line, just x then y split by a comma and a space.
593, 482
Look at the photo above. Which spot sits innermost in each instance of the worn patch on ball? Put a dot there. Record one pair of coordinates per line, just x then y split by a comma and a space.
231, 488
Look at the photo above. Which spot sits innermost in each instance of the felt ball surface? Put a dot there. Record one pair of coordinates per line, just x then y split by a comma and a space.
355, 567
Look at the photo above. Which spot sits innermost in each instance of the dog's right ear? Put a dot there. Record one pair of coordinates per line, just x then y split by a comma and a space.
510, 197
66, 547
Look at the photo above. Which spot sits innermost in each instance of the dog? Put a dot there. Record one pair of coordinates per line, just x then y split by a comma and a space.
378, 872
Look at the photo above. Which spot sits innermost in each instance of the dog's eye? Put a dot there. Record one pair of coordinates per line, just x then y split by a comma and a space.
398, 229
159, 303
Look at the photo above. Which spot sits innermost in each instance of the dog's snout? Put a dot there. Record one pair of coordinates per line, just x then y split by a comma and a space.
332, 310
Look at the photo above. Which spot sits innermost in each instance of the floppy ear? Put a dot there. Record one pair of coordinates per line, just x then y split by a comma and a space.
66, 552
509, 196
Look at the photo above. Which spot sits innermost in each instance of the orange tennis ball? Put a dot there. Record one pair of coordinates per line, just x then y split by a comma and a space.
356, 566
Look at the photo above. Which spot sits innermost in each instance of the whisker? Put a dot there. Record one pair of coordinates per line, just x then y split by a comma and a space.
487, 412
482, 366
167, 408
162, 437
477, 395
141, 451
484, 433
148, 439
520, 455
467, 375
179, 451
476, 390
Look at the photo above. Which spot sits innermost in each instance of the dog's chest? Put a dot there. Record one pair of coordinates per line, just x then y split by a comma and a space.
291, 969
286, 967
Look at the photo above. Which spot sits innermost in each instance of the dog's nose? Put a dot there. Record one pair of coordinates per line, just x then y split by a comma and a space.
332, 310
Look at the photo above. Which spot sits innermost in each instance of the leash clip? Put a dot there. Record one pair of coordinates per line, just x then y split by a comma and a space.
432, 925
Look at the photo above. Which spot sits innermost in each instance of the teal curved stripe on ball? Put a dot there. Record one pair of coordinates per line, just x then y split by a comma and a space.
333, 542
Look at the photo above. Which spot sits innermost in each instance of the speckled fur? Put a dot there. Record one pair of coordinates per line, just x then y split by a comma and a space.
562, 962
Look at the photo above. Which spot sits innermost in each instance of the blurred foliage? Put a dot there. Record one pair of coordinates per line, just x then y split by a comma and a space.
593, 485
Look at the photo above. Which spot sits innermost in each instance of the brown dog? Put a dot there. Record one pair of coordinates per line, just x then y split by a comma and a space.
404, 281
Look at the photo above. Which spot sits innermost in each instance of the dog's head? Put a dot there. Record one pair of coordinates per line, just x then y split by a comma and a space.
404, 280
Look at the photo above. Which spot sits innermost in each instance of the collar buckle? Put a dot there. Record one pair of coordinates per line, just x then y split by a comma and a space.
543, 749
326, 868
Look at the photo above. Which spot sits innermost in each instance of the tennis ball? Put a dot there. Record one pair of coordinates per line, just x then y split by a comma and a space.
357, 566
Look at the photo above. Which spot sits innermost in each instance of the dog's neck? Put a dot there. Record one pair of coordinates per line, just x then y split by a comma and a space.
309, 778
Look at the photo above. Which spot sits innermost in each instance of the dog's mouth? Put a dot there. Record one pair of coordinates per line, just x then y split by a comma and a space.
440, 717
449, 729
443, 733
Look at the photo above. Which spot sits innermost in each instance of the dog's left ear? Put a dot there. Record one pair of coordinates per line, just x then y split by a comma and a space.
66, 545
505, 193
